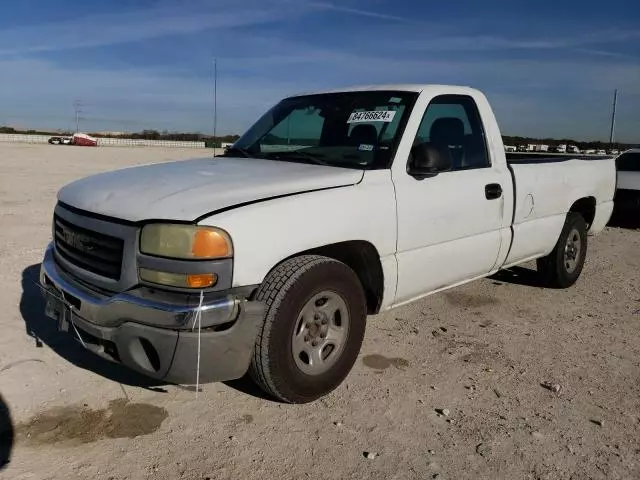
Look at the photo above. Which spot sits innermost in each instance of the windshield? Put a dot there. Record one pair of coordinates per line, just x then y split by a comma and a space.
347, 129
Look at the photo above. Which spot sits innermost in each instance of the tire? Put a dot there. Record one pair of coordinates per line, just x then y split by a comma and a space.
296, 284
558, 269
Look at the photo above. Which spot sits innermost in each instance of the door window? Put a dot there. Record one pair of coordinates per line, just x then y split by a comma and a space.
453, 121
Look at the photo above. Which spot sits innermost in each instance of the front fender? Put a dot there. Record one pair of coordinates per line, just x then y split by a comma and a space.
266, 233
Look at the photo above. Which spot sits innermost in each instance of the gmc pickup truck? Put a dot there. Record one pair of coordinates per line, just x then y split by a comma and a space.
333, 206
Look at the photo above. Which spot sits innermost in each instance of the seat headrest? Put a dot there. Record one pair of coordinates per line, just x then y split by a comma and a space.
428, 155
364, 133
447, 131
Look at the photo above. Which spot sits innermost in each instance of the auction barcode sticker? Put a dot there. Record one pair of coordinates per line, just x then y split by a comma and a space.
373, 116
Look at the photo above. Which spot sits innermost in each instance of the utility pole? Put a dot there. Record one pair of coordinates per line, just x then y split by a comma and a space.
613, 116
215, 100
77, 105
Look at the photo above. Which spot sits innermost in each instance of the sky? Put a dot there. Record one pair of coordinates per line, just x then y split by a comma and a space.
549, 68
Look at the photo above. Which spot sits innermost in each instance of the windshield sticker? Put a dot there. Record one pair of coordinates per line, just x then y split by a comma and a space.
365, 147
373, 116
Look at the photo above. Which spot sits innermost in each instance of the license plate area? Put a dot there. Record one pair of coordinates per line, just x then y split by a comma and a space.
57, 309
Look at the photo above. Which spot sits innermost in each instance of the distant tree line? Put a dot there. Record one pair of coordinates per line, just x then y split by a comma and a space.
166, 135
29, 132
144, 134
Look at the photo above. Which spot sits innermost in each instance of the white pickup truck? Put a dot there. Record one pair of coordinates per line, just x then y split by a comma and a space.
332, 207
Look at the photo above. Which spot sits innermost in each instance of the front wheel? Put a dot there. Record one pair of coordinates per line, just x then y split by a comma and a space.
562, 267
313, 328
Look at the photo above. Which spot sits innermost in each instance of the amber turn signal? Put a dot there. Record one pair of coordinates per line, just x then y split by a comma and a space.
201, 280
180, 280
210, 244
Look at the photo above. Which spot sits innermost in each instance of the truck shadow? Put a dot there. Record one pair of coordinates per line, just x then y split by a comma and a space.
625, 219
44, 331
6, 434
248, 387
519, 276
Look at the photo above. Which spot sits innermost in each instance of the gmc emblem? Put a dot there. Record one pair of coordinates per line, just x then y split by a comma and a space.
77, 240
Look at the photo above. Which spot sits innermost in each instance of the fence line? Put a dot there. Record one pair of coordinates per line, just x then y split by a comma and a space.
105, 142
19, 138
131, 142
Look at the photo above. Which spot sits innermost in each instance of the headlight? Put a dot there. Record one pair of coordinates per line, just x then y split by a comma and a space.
188, 242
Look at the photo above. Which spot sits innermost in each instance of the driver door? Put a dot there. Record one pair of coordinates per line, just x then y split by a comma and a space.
449, 225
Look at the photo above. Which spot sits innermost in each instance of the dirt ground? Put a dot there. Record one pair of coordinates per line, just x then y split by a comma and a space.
480, 351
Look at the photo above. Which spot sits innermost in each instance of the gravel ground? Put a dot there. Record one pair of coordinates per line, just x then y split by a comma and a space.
479, 352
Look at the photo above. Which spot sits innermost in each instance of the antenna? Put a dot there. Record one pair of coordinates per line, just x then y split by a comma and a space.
613, 116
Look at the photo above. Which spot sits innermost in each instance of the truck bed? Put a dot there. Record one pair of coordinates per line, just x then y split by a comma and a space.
546, 186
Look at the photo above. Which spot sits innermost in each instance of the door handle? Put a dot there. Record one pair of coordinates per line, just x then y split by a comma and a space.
492, 191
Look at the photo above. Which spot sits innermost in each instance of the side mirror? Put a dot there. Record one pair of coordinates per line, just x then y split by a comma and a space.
427, 160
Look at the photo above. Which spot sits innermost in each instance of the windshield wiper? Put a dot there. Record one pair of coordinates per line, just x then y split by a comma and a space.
313, 158
231, 150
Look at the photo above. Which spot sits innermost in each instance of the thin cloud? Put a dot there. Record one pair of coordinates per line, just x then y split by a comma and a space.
483, 42
604, 53
360, 12
131, 26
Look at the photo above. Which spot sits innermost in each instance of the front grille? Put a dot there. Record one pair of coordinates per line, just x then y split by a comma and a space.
93, 251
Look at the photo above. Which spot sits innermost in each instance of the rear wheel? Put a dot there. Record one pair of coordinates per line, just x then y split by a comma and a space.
562, 267
313, 329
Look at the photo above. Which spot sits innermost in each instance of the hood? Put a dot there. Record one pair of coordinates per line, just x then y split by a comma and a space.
185, 190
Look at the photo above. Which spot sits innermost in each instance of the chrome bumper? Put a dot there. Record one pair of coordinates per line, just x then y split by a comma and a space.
154, 337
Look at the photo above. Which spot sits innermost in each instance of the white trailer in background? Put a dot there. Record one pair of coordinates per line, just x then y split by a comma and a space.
572, 149
561, 148
541, 148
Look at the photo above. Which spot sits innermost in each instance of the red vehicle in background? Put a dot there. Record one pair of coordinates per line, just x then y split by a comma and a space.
80, 139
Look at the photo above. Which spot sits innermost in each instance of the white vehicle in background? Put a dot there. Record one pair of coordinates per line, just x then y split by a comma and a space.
627, 198
562, 148
572, 149
614, 152
541, 148
601, 152
510, 148
60, 140
269, 258
590, 151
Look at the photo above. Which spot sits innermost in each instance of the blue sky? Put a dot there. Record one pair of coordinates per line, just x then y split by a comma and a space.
548, 67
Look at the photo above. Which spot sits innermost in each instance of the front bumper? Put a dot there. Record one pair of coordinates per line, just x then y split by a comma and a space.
153, 337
